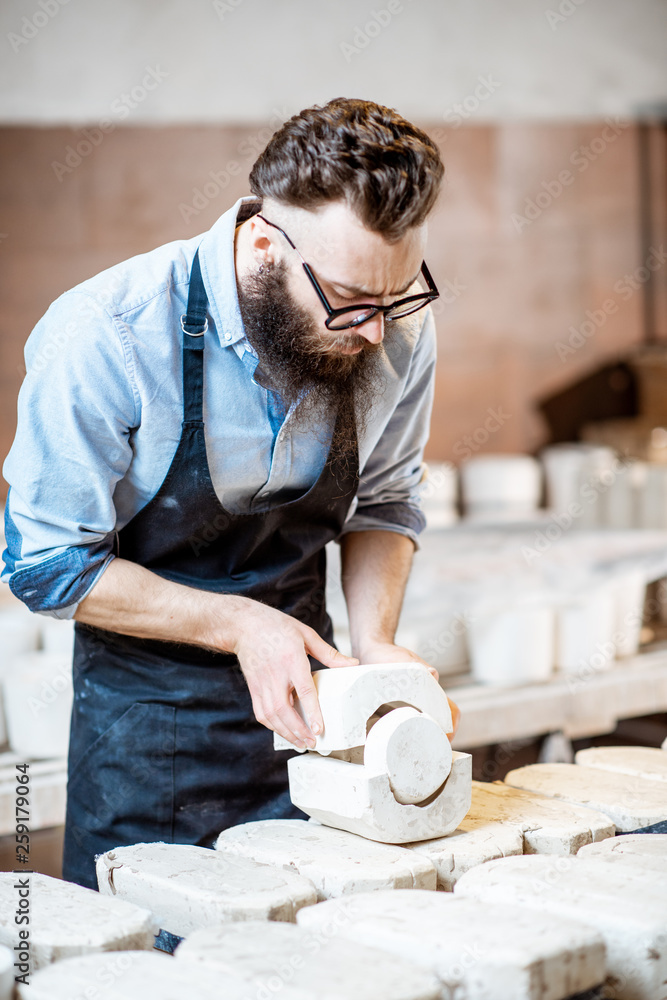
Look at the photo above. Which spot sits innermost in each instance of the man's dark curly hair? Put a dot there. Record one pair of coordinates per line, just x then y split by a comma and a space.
387, 170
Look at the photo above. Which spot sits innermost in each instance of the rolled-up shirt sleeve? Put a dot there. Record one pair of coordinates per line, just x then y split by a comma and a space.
76, 410
388, 498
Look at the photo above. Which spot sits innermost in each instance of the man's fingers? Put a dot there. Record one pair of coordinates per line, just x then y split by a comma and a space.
456, 717
290, 719
325, 653
285, 721
307, 694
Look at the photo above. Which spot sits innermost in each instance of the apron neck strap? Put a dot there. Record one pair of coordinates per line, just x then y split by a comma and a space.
194, 325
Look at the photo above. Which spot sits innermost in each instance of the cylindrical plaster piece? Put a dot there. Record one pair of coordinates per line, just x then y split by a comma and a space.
412, 750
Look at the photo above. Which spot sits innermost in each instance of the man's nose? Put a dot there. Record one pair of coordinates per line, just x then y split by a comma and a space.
373, 330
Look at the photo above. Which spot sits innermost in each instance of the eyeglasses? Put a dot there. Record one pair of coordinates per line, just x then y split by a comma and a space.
351, 316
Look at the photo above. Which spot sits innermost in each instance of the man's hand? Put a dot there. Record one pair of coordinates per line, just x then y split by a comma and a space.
386, 652
272, 650
271, 647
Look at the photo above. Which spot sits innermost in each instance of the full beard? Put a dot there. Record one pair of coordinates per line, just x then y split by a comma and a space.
306, 367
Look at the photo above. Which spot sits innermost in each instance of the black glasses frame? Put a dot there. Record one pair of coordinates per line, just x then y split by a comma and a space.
424, 298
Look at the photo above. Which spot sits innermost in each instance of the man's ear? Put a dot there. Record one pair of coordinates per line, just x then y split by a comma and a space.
261, 244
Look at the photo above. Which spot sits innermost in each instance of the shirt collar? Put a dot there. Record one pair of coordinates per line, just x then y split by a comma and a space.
216, 255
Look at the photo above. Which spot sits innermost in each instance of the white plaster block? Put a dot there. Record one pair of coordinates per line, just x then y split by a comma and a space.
627, 905
7, 971
278, 956
345, 795
642, 762
628, 801
645, 850
336, 862
134, 975
37, 697
188, 887
67, 920
480, 952
349, 696
473, 843
547, 827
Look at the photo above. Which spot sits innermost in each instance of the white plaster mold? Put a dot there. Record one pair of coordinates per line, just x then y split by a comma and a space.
547, 827
67, 919
133, 975
309, 966
474, 842
189, 887
336, 862
383, 767
629, 802
480, 952
350, 696
643, 850
642, 762
625, 903
344, 795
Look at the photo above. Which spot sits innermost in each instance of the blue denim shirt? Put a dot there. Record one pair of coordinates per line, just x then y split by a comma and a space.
100, 411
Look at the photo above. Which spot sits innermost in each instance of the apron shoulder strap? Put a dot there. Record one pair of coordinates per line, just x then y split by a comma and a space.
194, 325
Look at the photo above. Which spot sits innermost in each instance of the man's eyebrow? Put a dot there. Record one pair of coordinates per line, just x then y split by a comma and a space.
354, 290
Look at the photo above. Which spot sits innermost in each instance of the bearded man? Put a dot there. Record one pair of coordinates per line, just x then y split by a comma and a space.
215, 413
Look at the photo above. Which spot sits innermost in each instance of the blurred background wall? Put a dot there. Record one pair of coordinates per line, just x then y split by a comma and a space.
126, 125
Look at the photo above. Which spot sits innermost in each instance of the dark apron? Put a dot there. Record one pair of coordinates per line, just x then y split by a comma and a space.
164, 745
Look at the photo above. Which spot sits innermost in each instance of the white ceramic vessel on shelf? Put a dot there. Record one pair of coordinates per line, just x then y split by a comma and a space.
38, 704
514, 645
628, 592
19, 632
441, 640
578, 476
621, 504
505, 487
653, 499
585, 632
439, 493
